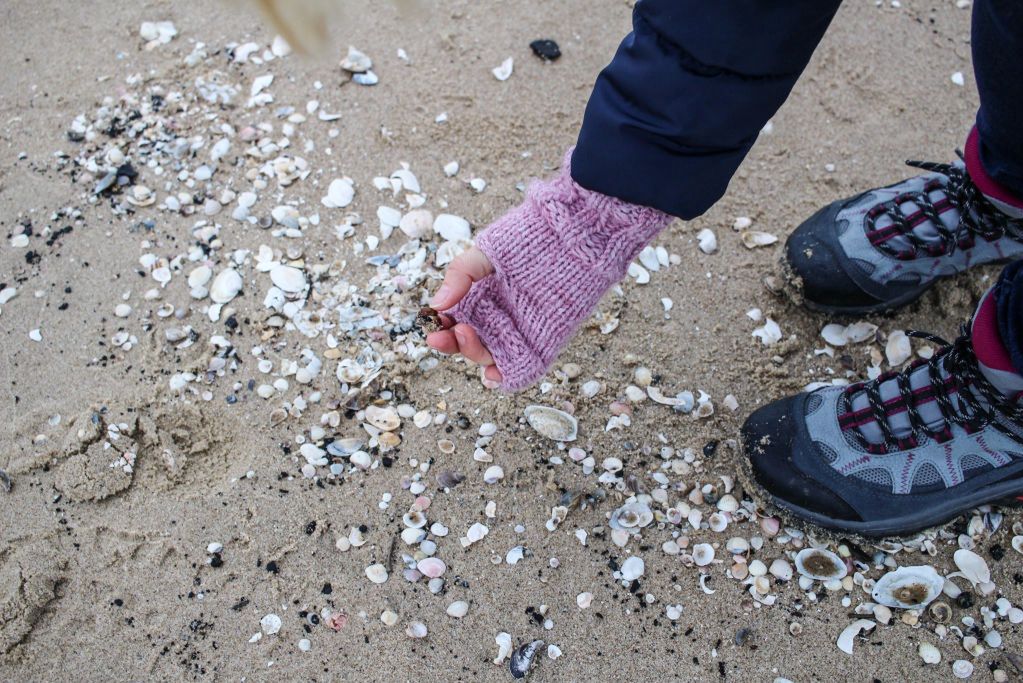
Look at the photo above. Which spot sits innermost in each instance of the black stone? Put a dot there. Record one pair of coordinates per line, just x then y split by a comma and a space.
545, 49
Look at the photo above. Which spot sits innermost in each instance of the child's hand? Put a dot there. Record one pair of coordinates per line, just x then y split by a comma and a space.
467, 268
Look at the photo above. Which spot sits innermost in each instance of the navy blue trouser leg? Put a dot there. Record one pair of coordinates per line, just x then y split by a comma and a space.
677, 110
997, 45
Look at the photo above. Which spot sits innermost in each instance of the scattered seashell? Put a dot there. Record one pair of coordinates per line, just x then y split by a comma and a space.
898, 348
972, 567
339, 194
225, 286
848, 635
522, 659
633, 568
288, 279
356, 62
820, 564
452, 228
631, 517
703, 554
929, 653
940, 612
962, 668
432, 567
908, 587
416, 629
376, 573
751, 239
707, 240
555, 424
769, 333
494, 474
504, 71
458, 609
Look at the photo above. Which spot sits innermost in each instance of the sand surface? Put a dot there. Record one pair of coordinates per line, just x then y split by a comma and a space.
105, 573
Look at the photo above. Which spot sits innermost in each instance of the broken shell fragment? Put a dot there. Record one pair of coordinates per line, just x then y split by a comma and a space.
908, 587
751, 239
820, 564
504, 647
555, 424
848, 635
522, 659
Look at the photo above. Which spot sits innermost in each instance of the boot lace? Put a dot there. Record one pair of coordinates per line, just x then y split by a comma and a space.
978, 217
979, 402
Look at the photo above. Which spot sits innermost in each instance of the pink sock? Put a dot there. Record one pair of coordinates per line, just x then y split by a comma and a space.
554, 256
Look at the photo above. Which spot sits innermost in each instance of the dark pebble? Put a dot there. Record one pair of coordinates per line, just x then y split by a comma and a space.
545, 49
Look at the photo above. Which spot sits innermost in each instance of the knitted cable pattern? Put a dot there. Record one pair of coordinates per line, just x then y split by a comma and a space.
554, 256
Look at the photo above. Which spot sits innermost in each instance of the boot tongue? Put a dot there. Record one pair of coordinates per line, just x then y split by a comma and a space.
992, 356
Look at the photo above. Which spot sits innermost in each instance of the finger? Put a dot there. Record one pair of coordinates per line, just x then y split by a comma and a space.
468, 267
470, 346
443, 341
493, 374
446, 321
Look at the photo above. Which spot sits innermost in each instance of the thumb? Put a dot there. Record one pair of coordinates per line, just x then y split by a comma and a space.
468, 267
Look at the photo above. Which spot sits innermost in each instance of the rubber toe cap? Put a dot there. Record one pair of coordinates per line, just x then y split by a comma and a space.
812, 258
770, 437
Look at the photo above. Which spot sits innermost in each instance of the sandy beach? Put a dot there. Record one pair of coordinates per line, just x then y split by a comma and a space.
217, 407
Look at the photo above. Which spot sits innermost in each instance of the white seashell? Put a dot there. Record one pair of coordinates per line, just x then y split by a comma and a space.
340, 194
655, 394
741, 223
288, 279
451, 168
631, 517
385, 418
848, 635
648, 257
584, 600
860, 332
835, 334
414, 519
972, 567
504, 647
633, 568
737, 545
432, 567
416, 224
898, 348
820, 564
908, 587
703, 585
640, 274
412, 535
356, 62
553, 651
271, 624
494, 474
1017, 544
929, 653
707, 240
769, 333
225, 286
452, 228
458, 609
752, 239
416, 629
376, 573
515, 555
781, 570
555, 424
504, 71
961, 668
703, 554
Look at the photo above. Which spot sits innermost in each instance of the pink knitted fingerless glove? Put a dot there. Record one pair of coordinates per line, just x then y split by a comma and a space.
554, 256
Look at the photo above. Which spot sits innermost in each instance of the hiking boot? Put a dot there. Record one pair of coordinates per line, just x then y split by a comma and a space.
905, 451
883, 248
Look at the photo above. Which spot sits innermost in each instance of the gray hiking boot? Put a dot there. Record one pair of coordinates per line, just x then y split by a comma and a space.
884, 248
903, 452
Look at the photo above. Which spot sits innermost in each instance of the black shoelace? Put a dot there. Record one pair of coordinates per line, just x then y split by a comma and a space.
979, 401
978, 217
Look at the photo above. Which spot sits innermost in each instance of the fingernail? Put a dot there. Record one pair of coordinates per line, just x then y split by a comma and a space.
441, 296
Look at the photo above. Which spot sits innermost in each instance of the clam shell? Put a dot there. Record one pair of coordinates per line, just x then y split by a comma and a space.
522, 659
356, 62
555, 424
432, 567
339, 194
288, 279
633, 568
908, 587
631, 517
820, 565
972, 567
225, 286
452, 228
385, 419
703, 554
